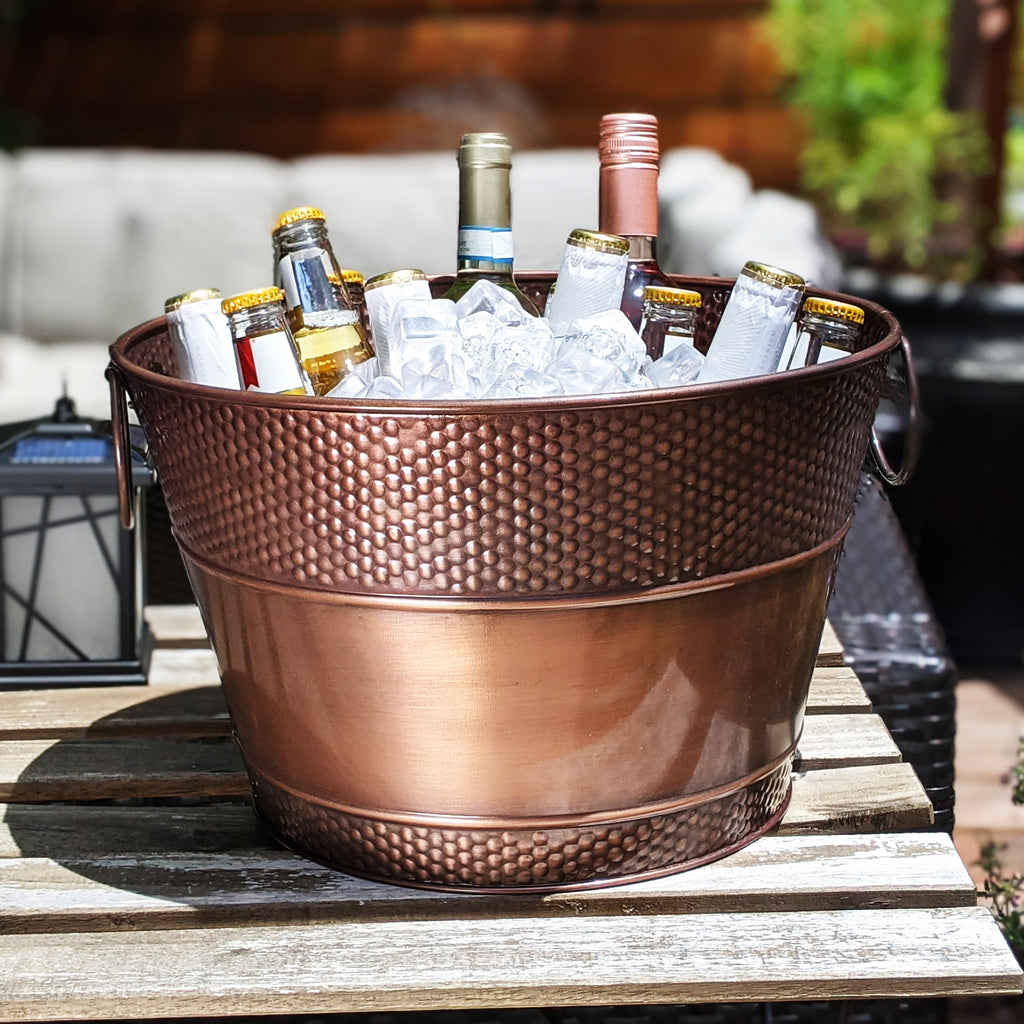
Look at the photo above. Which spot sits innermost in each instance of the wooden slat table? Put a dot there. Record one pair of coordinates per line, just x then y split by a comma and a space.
174, 908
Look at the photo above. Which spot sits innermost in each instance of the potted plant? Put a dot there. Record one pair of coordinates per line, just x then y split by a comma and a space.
897, 175
881, 146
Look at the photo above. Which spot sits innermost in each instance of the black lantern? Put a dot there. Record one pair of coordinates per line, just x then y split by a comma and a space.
72, 580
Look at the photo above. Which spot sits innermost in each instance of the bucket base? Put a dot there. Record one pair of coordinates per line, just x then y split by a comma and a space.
525, 857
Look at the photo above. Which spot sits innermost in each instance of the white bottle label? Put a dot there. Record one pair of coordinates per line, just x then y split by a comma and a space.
491, 244
276, 367
203, 344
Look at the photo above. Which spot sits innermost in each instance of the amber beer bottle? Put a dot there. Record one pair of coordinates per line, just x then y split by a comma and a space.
264, 346
628, 153
485, 216
326, 325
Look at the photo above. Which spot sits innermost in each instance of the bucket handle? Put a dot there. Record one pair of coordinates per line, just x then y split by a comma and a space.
912, 433
122, 447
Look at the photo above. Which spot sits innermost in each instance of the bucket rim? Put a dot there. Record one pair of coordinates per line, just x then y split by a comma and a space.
120, 357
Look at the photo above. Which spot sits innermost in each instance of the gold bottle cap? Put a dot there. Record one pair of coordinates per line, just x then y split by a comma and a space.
196, 295
767, 274
837, 310
672, 296
298, 213
394, 277
599, 241
351, 276
485, 149
247, 300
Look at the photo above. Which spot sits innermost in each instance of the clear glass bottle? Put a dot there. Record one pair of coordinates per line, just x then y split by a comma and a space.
325, 322
203, 348
485, 216
826, 329
264, 347
589, 279
669, 319
755, 323
629, 155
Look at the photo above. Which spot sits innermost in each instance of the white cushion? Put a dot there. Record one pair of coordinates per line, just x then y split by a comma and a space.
99, 238
781, 230
553, 192
33, 375
383, 212
700, 196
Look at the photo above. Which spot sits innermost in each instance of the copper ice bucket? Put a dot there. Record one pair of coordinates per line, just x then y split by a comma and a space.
530, 644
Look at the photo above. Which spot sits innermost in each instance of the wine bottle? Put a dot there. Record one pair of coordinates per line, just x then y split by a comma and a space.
628, 200
485, 216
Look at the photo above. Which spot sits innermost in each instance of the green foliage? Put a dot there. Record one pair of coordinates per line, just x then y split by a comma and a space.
868, 79
1004, 893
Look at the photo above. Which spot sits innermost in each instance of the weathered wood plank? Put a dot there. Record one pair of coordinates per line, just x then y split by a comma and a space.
881, 798
131, 766
162, 890
835, 689
837, 741
830, 650
185, 710
185, 699
65, 832
185, 666
121, 768
875, 798
508, 962
176, 625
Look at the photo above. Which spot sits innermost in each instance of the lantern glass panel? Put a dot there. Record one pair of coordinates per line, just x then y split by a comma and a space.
61, 559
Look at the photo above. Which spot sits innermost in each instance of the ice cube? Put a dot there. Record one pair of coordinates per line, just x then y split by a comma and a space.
486, 296
610, 336
517, 381
478, 331
445, 372
676, 368
419, 318
528, 344
583, 373
638, 382
350, 386
384, 387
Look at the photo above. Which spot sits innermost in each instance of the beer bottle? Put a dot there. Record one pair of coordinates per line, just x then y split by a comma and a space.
264, 346
203, 348
325, 323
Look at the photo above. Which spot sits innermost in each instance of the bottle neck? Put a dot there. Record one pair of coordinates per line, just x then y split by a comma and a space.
257, 320
628, 200
643, 249
837, 333
485, 221
306, 268
303, 234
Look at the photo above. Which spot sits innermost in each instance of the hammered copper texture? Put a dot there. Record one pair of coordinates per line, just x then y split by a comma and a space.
537, 858
573, 613
568, 496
